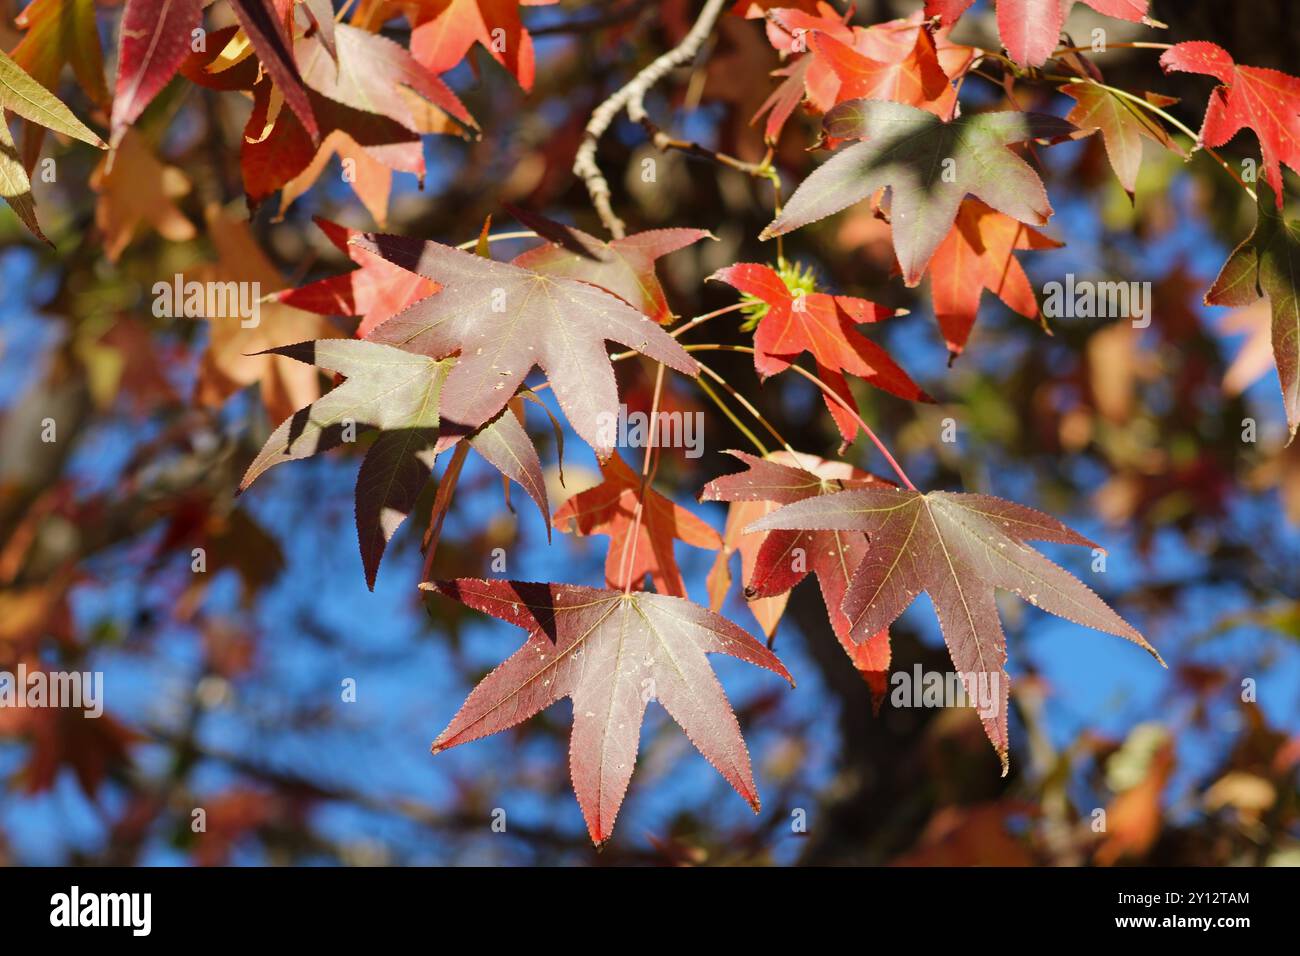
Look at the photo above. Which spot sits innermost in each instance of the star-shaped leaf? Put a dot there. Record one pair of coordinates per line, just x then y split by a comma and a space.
625, 267
930, 166
612, 653
826, 326
612, 508
1267, 263
372, 73
977, 254
137, 190
1123, 126
1266, 101
1031, 29
446, 29
398, 393
376, 291
959, 549
917, 79
781, 559
503, 320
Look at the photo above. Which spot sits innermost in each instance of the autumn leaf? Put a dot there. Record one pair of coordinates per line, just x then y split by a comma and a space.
62, 33
740, 514
385, 388
612, 653
1267, 263
620, 504
774, 562
285, 158
32, 101
237, 351
154, 39
977, 254
376, 291
1266, 101
262, 22
917, 79
15, 187
907, 51
1123, 126
625, 267
278, 153
504, 320
797, 321
369, 75
930, 166
1030, 29
398, 393
138, 190
958, 548
446, 29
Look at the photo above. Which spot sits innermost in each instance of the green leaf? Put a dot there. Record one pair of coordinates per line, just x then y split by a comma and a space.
930, 166
1122, 123
386, 388
1268, 263
22, 94
15, 187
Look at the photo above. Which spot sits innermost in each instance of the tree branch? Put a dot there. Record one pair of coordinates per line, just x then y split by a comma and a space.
632, 98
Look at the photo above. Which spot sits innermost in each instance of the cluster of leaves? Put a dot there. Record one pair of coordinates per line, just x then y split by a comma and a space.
448, 337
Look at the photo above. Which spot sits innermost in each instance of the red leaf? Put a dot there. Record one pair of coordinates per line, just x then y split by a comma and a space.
781, 559
154, 39
446, 29
269, 34
1264, 100
917, 79
958, 548
625, 267
977, 254
611, 653
1030, 29
611, 508
504, 321
376, 291
825, 326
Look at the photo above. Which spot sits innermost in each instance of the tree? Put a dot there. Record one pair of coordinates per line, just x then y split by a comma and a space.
238, 274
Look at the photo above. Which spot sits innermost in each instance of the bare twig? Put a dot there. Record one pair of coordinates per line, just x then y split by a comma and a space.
632, 98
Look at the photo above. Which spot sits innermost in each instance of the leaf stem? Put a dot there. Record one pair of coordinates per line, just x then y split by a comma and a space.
626, 561
701, 319
1168, 118
747, 406
735, 419
497, 237
442, 503
830, 392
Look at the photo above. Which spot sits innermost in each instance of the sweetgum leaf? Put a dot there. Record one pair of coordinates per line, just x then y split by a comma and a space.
930, 166
611, 653
958, 548
503, 320
1267, 263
